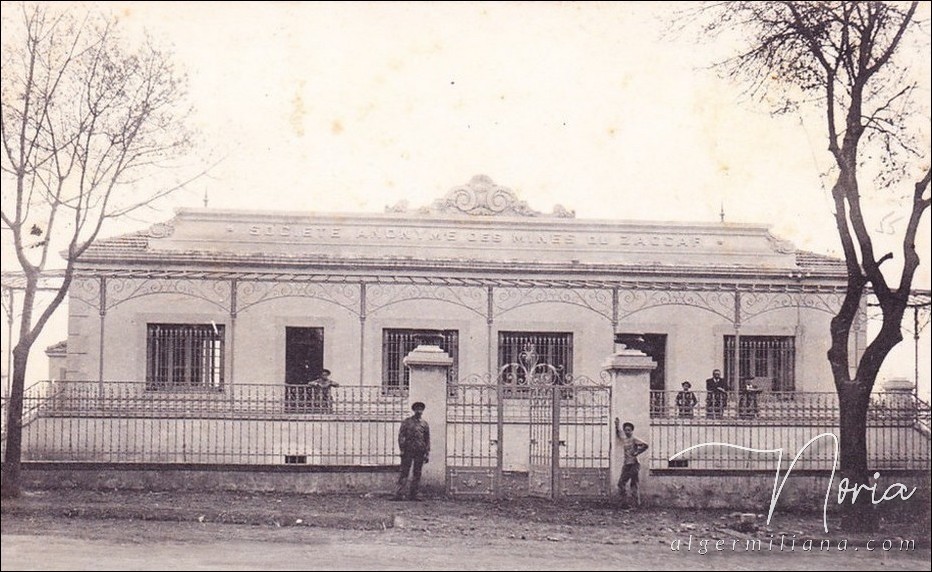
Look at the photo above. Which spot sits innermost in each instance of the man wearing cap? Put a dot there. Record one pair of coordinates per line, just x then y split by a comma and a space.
414, 442
686, 400
319, 397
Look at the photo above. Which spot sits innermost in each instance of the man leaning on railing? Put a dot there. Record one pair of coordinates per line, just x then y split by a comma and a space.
320, 399
747, 400
716, 399
686, 400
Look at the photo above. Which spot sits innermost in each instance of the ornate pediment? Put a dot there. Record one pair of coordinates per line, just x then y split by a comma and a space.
162, 229
780, 245
481, 196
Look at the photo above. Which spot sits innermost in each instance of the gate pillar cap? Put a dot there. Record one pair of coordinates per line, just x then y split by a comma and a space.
629, 359
898, 385
431, 356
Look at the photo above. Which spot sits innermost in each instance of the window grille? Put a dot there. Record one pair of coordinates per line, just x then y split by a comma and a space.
398, 343
767, 359
184, 356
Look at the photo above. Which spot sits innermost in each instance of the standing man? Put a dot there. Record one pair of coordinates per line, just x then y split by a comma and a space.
716, 397
321, 400
632, 447
747, 399
414, 442
686, 400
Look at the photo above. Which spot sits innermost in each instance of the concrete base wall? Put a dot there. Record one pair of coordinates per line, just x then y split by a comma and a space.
752, 492
749, 492
379, 480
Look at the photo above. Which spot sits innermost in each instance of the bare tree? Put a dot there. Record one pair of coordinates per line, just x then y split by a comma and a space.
85, 117
850, 62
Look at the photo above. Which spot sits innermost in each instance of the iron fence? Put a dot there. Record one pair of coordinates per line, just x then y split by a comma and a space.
898, 434
123, 422
472, 425
744, 406
34, 398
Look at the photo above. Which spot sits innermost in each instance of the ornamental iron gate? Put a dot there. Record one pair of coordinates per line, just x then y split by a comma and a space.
530, 416
543, 440
474, 432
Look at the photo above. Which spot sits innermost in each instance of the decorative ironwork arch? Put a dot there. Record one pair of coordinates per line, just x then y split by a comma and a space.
756, 304
253, 293
86, 290
828, 302
598, 300
380, 296
720, 303
120, 290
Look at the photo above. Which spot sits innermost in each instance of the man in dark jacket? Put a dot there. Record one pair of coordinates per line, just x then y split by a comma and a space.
686, 400
716, 397
414, 442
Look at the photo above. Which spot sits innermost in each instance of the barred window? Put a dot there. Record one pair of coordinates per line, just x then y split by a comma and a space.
397, 343
553, 348
184, 356
770, 360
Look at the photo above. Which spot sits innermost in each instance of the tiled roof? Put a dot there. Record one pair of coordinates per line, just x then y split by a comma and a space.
126, 243
813, 261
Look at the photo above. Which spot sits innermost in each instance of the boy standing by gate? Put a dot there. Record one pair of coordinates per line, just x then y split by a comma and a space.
632, 447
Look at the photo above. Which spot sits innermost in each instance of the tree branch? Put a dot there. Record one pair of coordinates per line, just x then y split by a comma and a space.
910, 256
895, 42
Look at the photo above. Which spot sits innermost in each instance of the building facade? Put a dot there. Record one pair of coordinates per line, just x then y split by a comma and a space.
216, 298
201, 343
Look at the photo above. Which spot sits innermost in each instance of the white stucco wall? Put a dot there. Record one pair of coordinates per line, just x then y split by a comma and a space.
255, 348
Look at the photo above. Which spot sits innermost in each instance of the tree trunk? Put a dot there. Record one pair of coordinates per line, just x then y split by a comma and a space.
856, 515
12, 464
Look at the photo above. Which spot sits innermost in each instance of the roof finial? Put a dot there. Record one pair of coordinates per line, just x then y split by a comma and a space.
205, 198
721, 213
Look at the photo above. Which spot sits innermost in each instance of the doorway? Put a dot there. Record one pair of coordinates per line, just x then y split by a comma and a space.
304, 361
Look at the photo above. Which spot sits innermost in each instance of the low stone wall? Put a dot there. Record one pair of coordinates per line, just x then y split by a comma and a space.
297, 479
749, 491
752, 491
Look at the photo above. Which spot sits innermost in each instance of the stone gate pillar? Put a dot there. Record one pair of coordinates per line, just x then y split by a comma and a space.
428, 366
630, 371
898, 395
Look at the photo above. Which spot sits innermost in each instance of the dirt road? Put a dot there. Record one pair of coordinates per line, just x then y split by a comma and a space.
82, 544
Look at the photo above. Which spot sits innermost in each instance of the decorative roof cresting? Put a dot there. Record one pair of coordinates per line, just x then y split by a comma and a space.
481, 196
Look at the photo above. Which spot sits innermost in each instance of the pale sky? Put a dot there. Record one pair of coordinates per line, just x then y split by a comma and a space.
333, 107
325, 107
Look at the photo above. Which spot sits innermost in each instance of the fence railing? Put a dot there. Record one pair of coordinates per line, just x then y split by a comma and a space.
239, 401
924, 416
35, 398
898, 434
122, 422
